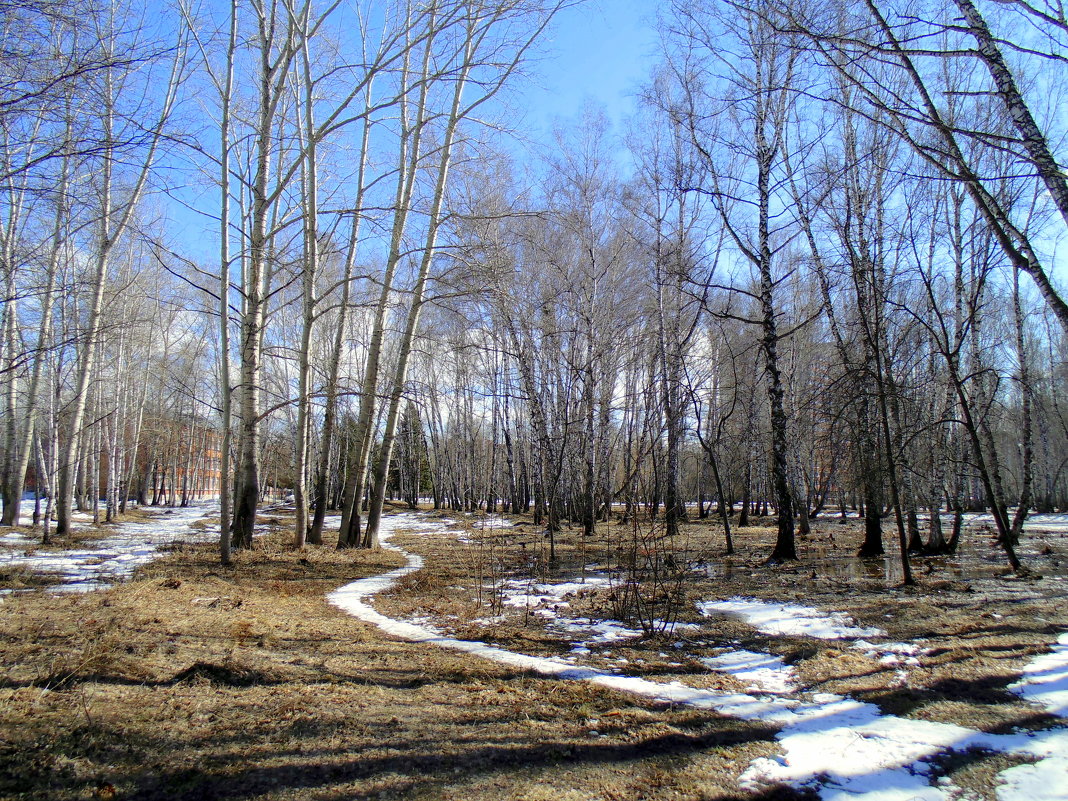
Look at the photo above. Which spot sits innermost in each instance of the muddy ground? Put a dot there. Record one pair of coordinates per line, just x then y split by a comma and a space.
201, 682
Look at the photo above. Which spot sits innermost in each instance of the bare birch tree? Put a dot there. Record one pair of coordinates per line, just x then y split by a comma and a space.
116, 210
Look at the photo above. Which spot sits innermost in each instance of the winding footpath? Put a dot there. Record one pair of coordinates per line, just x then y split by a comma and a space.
836, 745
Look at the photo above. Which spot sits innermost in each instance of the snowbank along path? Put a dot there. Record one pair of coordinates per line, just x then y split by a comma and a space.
841, 747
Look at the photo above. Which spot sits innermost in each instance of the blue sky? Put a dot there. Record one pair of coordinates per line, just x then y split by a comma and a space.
600, 51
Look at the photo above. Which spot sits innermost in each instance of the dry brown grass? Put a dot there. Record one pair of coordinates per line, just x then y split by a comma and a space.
199, 682
202, 682
978, 631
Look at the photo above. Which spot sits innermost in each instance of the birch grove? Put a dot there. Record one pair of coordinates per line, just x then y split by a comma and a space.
286, 252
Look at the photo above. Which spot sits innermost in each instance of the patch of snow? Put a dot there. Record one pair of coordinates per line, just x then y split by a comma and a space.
101, 563
546, 600
790, 620
762, 671
523, 594
846, 749
1034, 524
586, 631
1045, 680
424, 622
493, 522
1045, 780
892, 653
490, 621
677, 626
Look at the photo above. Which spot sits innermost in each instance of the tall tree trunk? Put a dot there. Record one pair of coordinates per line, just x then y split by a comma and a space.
1027, 449
400, 377
315, 536
272, 81
785, 548
225, 383
408, 161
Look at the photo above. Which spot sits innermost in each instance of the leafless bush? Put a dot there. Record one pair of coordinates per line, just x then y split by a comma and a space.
487, 564
647, 587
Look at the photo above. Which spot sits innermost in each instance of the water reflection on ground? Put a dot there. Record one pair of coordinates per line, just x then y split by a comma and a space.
979, 559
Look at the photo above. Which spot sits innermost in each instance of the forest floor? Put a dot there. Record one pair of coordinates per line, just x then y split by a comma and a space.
193, 681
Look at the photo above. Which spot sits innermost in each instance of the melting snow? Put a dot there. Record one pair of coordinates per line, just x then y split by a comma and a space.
546, 600
483, 525
795, 620
524, 595
847, 749
102, 562
1045, 682
594, 631
843, 748
892, 654
762, 671
790, 620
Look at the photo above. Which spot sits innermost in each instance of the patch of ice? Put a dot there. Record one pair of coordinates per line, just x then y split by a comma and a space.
765, 672
790, 620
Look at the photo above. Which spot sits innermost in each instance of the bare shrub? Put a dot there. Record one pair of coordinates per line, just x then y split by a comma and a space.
647, 587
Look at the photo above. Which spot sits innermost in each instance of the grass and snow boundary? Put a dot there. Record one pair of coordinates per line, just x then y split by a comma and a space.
837, 745
98, 564
840, 747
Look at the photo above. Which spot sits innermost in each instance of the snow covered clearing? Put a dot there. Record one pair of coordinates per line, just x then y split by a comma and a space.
841, 747
100, 563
